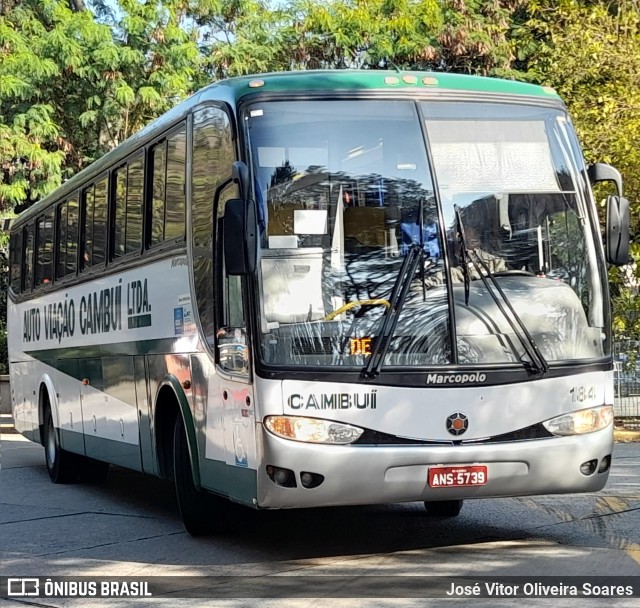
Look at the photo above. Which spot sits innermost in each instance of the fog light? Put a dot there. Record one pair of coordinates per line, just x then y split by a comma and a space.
605, 463
589, 467
311, 480
282, 477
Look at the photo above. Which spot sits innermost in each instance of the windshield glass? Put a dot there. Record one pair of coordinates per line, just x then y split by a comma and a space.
345, 197
512, 174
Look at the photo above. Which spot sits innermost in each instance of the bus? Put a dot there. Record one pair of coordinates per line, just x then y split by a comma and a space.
326, 288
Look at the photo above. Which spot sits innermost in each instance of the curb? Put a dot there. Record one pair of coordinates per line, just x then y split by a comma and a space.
6, 424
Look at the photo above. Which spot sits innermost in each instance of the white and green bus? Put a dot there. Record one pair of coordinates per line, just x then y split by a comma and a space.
326, 288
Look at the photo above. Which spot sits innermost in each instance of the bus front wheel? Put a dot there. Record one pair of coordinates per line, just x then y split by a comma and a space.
62, 466
444, 508
199, 510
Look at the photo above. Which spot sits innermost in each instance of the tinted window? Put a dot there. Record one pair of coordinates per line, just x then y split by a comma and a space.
67, 238
100, 222
212, 158
27, 260
88, 203
120, 216
134, 205
61, 241
72, 236
168, 200
175, 199
14, 260
44, 249
159, 157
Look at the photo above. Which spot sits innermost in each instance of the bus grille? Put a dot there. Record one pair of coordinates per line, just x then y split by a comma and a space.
536, 431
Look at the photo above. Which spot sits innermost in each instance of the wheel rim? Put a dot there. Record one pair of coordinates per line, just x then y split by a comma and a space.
51, 443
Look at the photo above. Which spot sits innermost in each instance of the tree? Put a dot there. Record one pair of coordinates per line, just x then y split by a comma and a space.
72, 88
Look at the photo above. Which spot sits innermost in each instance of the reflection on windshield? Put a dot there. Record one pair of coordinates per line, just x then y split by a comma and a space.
514, 180
344, 193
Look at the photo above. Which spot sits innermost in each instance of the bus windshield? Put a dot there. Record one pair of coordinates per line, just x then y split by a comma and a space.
487, 199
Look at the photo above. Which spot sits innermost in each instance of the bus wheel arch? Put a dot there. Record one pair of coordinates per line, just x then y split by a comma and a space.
170, 404
176, 449
201, 512
62, 466
47, 398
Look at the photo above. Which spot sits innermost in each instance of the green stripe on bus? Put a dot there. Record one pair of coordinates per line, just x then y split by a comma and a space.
238, 483
112, 349
51, 356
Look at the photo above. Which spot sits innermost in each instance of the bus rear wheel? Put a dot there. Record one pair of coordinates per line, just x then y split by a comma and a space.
444, 508
200, 511
62, 466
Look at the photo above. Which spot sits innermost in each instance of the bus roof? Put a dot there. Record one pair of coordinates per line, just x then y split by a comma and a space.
232, 90
354, 80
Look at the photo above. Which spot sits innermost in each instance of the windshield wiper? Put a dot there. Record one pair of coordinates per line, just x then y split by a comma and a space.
398, 297
537, 364
465, 256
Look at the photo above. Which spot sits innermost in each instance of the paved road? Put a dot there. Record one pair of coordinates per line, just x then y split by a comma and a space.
129, 526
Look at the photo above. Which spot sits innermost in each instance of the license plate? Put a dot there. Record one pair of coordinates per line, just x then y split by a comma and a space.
457, 477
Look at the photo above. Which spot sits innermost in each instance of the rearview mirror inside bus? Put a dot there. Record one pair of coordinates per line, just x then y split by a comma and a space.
617, 230
240, 237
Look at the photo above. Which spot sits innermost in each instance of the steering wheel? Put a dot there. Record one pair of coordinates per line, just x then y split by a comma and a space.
353, 304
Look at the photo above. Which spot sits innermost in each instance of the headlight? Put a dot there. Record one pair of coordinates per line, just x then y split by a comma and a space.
583, 421
312, 430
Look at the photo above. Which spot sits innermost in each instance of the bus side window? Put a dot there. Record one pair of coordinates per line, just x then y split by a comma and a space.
88, 204
159, 173
212, 158
15, 261
135, 179
94, 224
127, 215
27, 260
66, 238
168, 201
100, 222
61, 240
120, 212
231, 333
72, 237
175, 206
44, 249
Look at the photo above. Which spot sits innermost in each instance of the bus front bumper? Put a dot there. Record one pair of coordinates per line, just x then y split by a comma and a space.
359, 475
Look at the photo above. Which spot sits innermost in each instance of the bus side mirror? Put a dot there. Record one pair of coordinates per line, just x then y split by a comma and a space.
617, 230
240, 237
601, 172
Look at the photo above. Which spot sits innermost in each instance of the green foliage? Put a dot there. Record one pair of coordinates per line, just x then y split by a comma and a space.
590, 53
71, 88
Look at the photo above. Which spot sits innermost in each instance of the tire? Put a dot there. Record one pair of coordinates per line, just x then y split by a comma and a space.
444, 508
200, 511
62, 466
